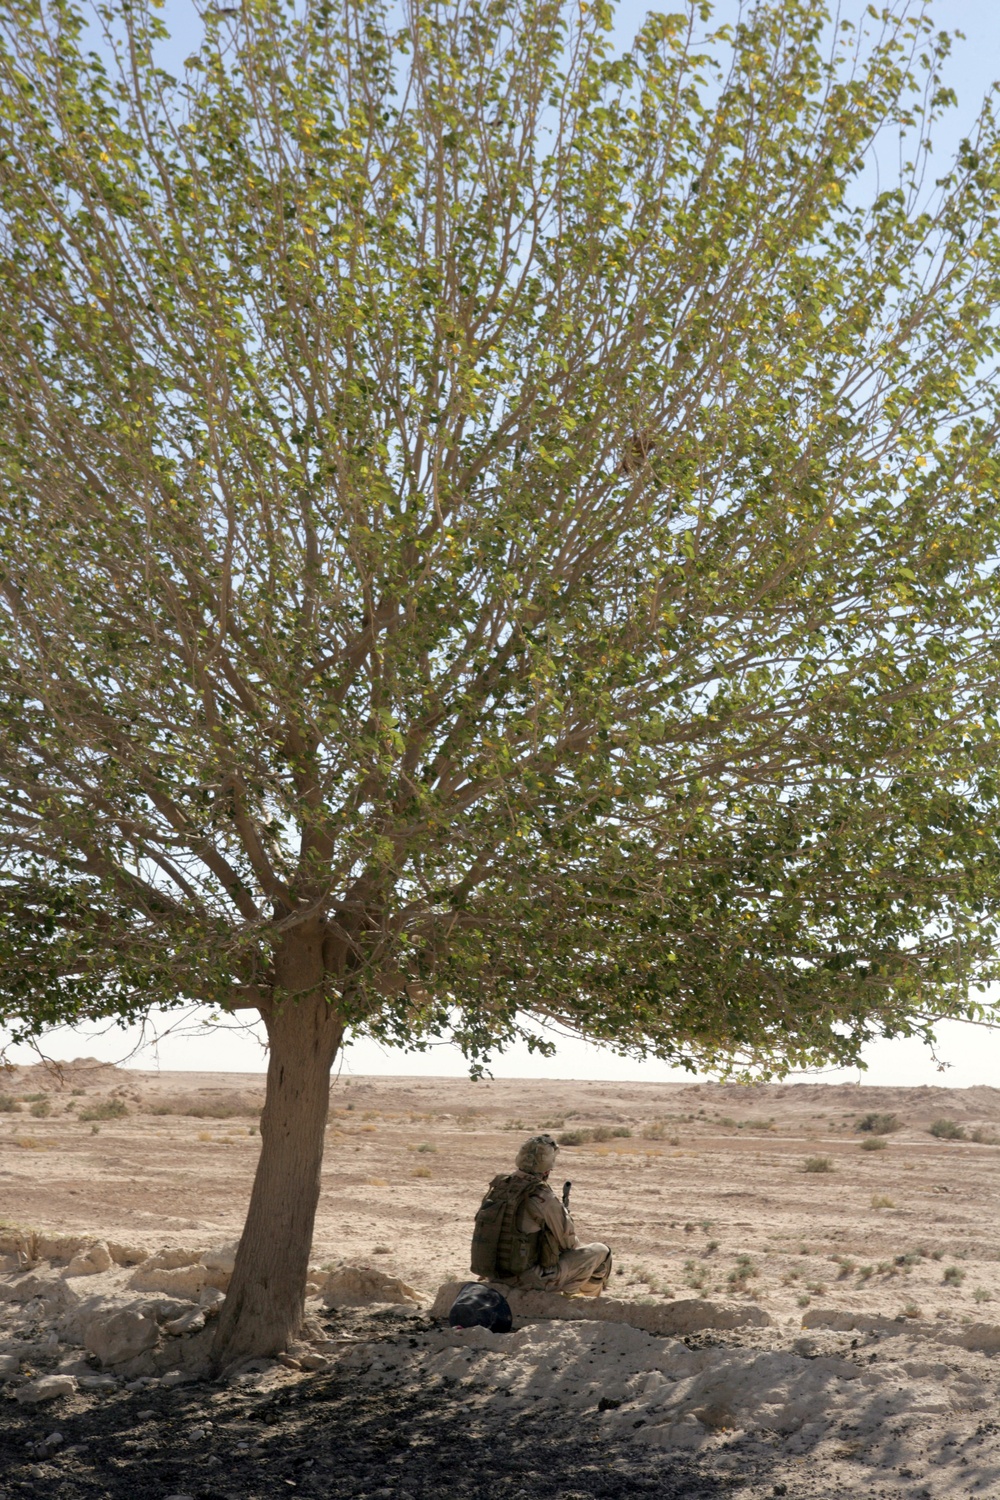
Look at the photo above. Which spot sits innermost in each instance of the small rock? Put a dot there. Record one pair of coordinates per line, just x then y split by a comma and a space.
183, 1281
50, 1292
171, 1307
193, 1321
313, 1362
9, 1365
143, 1416
48, 1388
170, 1258
175, 1377
223, 1259
90, 1262
127, 1255
179, 1497
211, 1299
142, 1383
54, 1440
97, 1383
288, 1362
121, 1337
352, 1286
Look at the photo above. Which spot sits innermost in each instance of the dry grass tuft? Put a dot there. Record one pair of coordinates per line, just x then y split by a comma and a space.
947, 1130
873, 1143
584, 1136
105, 1109
817, 1164
878, 1124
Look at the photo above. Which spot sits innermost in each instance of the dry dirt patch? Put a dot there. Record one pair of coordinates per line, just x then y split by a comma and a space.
888, 1256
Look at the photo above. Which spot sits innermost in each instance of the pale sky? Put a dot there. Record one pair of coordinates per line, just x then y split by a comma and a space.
971, 1054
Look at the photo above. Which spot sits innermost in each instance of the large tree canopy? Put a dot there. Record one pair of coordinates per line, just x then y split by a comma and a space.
492, 528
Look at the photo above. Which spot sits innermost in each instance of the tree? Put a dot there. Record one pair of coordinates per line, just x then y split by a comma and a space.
493, 529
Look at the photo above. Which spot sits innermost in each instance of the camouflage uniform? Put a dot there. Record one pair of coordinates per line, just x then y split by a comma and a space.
582, 1270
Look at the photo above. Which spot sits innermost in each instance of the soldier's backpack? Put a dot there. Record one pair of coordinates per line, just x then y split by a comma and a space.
478, 1306
499, 1248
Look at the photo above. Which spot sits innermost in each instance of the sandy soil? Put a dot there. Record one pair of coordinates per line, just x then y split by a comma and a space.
709, 1174
875, 1370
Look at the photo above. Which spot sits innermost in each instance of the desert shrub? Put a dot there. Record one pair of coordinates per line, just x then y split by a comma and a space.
105, 1109
817, 1164
879, 1200
41, 1108
740, 1274
210, 1109
911, 1310
982, 1295
947, 1130
866, 1273
421, 1172
877, 1124
8, 1104
695, 1275
426, 1146
984, 1137
585, 1134
953, 1276
873, 1143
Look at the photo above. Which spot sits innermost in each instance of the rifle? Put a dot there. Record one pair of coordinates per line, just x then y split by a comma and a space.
565, 1195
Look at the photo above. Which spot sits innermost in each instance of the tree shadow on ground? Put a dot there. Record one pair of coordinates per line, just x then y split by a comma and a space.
326, 1436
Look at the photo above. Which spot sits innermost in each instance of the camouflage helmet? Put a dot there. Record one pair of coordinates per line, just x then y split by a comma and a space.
537, 1156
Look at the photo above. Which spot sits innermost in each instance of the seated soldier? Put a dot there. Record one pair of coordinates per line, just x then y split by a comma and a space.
524, 1236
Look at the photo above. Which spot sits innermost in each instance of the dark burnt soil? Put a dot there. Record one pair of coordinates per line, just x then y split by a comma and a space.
325, 1436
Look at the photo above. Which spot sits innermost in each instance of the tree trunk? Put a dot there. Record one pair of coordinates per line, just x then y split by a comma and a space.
263, 1309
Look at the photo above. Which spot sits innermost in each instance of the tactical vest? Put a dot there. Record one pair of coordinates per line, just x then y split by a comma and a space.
499, 1248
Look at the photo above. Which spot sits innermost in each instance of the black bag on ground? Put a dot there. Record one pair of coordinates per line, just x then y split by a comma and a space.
478, 1306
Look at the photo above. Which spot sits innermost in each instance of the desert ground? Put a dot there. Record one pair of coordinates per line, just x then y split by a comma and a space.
806, 1277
